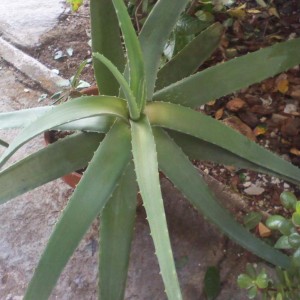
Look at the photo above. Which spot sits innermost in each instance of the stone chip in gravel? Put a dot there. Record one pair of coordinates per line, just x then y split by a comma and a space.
254, 190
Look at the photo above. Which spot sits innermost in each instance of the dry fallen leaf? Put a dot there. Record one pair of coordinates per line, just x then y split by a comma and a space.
238, 12
219, 113
263, 230
295, 151
236, 104
282, 83
260, 130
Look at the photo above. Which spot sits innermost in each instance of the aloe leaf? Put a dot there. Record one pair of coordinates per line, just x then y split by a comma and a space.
197, 149
89, 198
107, 41
191, 57
133, 109
188, 180
116, 233
60, 158
153, 39
79, 108
233, 75
146, 168
212, 131
21, 118
134, 54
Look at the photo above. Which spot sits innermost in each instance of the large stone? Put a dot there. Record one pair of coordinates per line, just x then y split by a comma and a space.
23, 22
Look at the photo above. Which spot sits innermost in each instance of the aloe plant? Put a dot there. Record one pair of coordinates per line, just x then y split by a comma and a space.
142, 122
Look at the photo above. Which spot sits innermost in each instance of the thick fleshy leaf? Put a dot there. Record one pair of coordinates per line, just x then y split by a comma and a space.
60, 158
233, 75
132, 105
21, 118
191, 57
88, 200
134, 54
107, 41
188, 180
212, 131
153, 39
116, 233
76, 109
197, 149
145, 161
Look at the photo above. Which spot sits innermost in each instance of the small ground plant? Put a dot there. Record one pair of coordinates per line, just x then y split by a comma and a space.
286, 282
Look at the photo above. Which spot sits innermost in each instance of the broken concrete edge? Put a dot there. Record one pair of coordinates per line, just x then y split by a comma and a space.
32, 68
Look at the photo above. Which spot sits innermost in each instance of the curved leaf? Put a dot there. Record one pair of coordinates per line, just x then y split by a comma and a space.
21, 118
79, 108
197, 149
186, 178
232, 75
60, 158
153, 40
212, 131
107, 41
134, 54
116, 233
191, 57
146, 168
133, 109
87, 201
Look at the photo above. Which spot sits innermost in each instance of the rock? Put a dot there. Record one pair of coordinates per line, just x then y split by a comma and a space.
236, 104
290, 108
249, 118
262, 110
278, 119
252, 100
254, 190
290, 127
295, 92
263, 230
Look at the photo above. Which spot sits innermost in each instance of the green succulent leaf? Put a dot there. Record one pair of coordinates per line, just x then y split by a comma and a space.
145, 161
88, 200
274, 222
212, 283
132, 105
297, 207
296, 218
262, 280
252, 292
107, 41
283, 243
80, 108
288, 200
242, 71
186, 178
153, 41
252, 219
134, 54
116, 233
296, 258
294, 240
191, 57
197, 149
71, 153
21, 118
244, 281
286, 227
212, 131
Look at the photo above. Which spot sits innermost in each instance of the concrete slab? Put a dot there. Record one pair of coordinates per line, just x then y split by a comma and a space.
23, 22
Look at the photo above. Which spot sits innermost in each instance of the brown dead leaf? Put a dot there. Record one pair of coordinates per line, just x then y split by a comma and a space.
282, 84
238, 125
236, 104
219, 113
295, 151
273, 12
238, 12
295, 92
211, 103
260, 130
263, 230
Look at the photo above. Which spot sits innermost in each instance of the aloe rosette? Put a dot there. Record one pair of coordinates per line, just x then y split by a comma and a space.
143, 121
